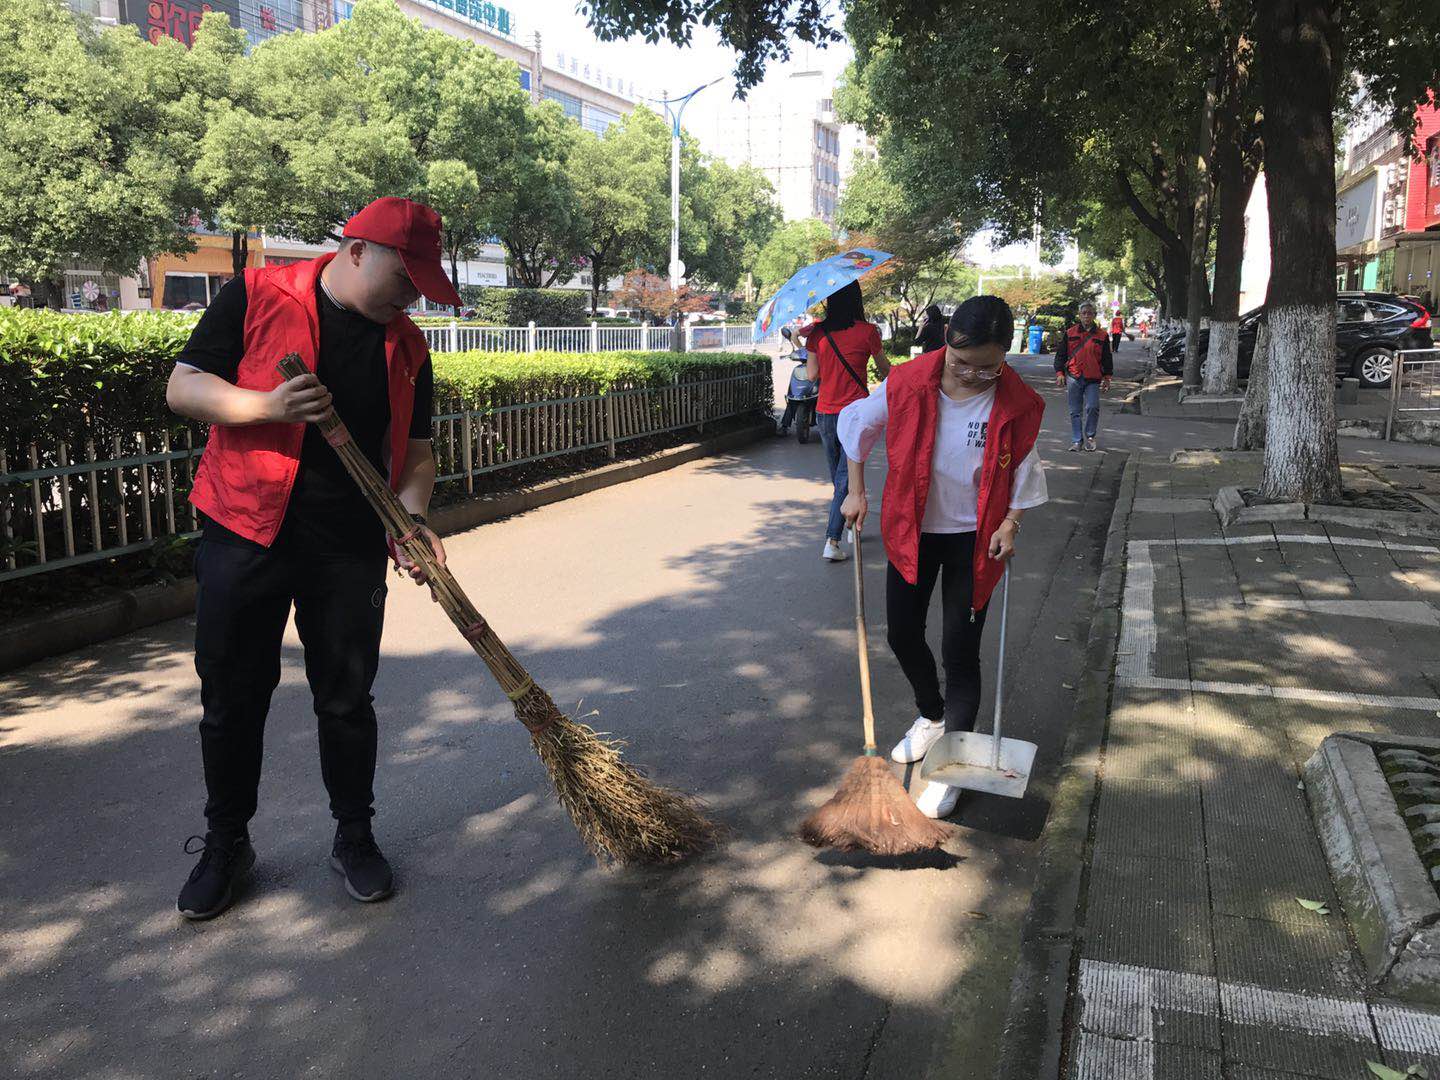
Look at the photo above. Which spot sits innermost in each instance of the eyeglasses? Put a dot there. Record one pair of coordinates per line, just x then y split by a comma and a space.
975, 374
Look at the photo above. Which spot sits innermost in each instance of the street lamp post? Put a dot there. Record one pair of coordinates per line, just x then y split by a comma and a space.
674, 109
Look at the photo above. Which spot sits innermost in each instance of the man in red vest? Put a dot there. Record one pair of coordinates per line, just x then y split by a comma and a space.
1083, 363
284, 524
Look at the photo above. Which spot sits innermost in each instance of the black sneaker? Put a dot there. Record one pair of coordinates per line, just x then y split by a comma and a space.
211, 885
356, 857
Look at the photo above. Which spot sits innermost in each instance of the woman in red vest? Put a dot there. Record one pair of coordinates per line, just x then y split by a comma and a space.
1117, 331
960, 428
284, 524
841, 346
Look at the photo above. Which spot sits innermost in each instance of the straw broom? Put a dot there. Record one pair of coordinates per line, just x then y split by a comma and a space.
871, 811
619, 813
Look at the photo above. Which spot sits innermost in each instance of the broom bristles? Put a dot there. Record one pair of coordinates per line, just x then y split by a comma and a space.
873, 812
619, 813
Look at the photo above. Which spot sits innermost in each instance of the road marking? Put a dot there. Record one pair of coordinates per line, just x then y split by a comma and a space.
1172, 506
1135, 659
1415, 612
1122, 1001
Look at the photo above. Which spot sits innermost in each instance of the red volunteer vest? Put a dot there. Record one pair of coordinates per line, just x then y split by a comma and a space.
911, 397
247, 473
1085, 348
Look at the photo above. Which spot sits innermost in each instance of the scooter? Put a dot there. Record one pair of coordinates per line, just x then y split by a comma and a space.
801, 396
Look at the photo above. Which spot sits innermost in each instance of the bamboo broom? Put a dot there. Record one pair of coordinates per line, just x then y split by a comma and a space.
871, 811
619, 813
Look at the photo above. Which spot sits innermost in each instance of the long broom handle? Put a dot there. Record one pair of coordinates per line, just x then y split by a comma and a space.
508, 672
1000, 670
863, 644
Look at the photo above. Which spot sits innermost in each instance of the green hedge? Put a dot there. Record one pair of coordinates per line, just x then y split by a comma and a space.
543, 307
86, 376
75, 377
483, 379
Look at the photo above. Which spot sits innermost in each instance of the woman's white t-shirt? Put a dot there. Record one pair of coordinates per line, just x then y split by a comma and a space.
960, 430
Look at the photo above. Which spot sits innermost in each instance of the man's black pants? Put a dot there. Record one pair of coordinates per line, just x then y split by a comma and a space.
946, 556
242, 606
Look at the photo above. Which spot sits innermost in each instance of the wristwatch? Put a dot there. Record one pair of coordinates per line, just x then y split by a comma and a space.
1014, 521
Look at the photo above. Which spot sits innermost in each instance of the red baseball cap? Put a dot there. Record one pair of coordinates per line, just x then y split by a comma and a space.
412, 229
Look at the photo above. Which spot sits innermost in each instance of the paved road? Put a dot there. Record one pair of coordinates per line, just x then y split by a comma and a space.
692, 610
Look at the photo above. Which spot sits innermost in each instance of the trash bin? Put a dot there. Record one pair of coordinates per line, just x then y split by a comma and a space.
1037, 338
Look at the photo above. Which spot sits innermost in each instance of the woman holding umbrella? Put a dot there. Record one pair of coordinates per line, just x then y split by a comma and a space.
959, 428
841, 346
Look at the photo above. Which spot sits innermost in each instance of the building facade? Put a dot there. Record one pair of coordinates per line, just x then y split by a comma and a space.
592, 97
787, 129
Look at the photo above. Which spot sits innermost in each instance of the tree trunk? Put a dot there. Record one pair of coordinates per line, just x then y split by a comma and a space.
1195, 299
1233, 184
239, 251
594, 287
1296, 48
1177, 281
455, 276
1250, 427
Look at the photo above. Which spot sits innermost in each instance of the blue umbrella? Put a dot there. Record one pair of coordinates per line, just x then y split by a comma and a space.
812, 284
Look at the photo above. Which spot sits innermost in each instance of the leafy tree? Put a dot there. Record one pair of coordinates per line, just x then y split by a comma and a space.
652, 296
621, 181
735, 208
793, 245
543, 234
95, 145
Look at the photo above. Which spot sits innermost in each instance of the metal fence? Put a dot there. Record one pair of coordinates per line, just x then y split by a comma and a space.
700, 337
63, 505
1414, 387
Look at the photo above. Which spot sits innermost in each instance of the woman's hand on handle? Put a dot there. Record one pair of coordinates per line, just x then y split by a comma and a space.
1002, 540
854, 509
405, 565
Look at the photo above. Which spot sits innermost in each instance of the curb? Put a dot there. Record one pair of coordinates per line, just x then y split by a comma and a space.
1231, 507
1032, 1041
39, 637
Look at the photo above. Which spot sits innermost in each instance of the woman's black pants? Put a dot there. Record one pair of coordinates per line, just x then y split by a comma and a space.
946, 556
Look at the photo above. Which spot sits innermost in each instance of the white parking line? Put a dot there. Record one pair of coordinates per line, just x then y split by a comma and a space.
1135, 659
1122, 1001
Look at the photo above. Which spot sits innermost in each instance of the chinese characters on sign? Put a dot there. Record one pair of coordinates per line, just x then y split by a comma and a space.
267, 19
483, 12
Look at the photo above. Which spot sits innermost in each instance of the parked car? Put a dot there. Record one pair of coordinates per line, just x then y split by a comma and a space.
1371, 327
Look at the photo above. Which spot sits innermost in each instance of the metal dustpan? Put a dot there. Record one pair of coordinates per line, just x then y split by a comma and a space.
989, 763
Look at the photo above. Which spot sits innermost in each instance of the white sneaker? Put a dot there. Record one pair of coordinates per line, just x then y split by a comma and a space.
938, 800
834, 552
1074, 447
917, 740
1090, 444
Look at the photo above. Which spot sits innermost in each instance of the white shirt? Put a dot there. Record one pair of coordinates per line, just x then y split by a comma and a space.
961, 426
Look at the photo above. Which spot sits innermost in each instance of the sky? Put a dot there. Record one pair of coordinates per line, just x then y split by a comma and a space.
655, 69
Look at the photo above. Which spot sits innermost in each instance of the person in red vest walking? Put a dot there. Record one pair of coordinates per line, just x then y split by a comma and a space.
841, 346
1117, 330
960, 428
285, 525
1084, 364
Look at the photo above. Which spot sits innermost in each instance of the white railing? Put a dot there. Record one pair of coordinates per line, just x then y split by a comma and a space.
700, 337
1414, 386
63, 504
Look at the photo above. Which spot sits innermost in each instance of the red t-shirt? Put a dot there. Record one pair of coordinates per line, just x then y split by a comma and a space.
1117, 325
859, 342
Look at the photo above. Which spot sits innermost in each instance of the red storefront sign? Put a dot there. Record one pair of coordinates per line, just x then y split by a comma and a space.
1423, 197
178, 19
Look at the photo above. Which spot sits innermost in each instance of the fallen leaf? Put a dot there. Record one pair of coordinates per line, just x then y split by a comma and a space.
1387, 1073
1317, 906
1258, 559
1061, 637
1067, 686
976, 915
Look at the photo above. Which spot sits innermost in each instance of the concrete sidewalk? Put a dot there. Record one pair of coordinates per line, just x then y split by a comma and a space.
1238, 652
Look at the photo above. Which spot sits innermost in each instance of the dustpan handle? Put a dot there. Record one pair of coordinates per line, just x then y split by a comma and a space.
1000, 670
862, 640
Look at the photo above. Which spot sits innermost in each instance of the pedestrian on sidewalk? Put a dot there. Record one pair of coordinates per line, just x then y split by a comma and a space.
284, 523
932, 330
1083, 363
841, 346
960, 428
1117, 331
